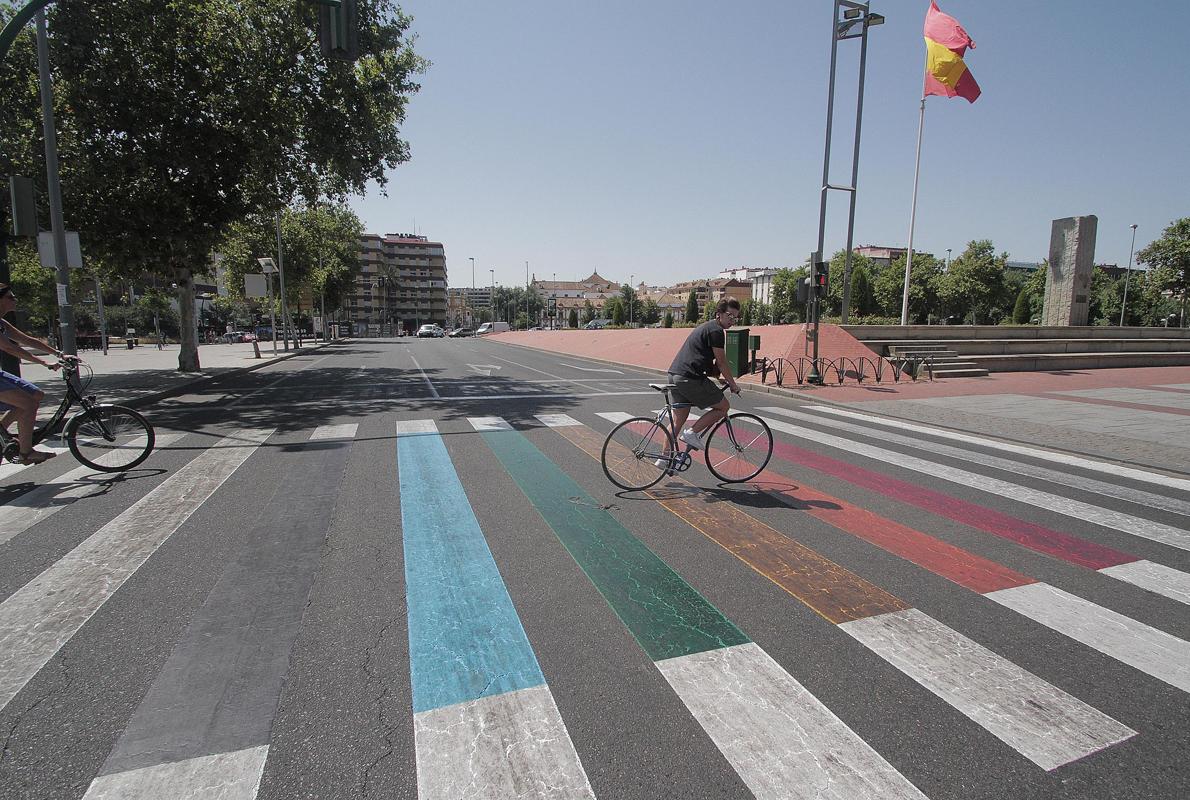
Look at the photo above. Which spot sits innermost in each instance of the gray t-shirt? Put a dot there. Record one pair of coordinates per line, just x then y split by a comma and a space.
695, 358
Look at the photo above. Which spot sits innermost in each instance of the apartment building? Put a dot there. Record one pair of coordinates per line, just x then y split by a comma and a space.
401, 285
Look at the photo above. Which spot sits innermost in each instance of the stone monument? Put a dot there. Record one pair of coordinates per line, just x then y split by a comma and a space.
1068, 282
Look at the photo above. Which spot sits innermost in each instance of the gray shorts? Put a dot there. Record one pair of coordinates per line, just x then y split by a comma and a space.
701, 392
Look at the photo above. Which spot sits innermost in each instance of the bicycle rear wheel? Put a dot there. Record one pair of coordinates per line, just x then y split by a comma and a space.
632, 450
109, 438
739, 447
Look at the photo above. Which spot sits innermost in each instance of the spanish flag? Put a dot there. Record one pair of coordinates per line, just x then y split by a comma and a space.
946, 41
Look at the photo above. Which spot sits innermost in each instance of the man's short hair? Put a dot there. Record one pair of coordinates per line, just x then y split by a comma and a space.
726, 303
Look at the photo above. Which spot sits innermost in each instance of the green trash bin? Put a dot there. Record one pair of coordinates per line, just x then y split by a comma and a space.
737, 350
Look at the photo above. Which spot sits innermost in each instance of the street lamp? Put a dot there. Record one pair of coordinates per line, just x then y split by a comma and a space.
1128, 275
631, 296
947, 258
492, 296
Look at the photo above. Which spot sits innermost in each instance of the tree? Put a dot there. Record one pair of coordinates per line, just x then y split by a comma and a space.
889, 288
1021, 313
692, 307
588, 311
746, 312
650, 312
177, 120
572, 320
1171, 254
614, 310
785, 307
863, 298
668, 322
974, 286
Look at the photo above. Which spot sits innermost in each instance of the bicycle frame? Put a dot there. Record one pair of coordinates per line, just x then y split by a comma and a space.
73, 395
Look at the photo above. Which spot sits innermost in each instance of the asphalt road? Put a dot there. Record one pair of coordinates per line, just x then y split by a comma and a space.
332, 579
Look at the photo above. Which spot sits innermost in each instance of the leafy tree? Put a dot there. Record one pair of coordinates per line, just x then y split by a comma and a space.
1171, 255
1021, 312
889, 288
588, 311
692, 307
572, 320
973, 285
650, 312
668, 322
785, 307
177, 120
746, 312
863, 298
614, 310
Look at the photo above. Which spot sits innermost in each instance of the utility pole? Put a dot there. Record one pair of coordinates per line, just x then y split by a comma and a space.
281, 272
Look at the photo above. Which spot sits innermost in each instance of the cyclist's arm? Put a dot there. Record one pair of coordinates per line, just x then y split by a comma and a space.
725, 368
19, 338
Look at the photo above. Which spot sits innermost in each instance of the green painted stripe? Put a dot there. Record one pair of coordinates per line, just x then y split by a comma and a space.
665, 614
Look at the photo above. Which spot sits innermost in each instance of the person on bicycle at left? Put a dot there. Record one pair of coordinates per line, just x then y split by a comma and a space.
703, 354
18, 396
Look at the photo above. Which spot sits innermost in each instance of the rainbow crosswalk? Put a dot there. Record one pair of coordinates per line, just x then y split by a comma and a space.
835, 533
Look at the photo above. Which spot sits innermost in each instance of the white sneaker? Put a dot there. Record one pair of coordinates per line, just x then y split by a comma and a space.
691, 438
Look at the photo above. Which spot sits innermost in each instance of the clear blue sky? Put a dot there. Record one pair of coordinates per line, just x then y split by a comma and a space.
671, 139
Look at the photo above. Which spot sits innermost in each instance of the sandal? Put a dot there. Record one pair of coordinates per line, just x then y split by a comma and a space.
35, 457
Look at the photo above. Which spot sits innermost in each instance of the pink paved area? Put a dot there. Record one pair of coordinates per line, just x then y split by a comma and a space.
654, 348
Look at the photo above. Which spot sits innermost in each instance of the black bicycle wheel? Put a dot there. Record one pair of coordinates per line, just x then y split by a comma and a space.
739, 447
636, 454
109, 438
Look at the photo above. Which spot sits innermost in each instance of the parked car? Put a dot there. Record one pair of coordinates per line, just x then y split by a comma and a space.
491, 327
430, 331
460, 332
231, 338
597, 324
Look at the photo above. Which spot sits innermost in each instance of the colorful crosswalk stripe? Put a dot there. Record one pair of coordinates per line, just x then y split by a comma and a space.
1125, 523
1038, 720
39, 618
780, 739
1152, 651
485, 724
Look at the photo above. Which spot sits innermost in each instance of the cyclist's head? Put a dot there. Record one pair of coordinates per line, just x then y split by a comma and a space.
6, 295
727, 311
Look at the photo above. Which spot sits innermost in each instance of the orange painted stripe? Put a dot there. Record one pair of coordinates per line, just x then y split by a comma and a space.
836, 593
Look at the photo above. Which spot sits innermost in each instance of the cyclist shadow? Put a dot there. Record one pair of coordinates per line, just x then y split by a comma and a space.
754, 494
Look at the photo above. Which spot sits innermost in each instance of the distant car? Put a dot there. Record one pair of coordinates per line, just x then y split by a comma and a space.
597, 324
491, 327
460, 332
430, 331
248, 337
231, 338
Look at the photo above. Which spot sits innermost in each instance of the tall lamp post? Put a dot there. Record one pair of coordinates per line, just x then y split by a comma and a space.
492, 296
467, 305
1128, 275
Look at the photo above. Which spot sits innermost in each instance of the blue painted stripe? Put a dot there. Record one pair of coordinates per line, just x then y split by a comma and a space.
465, 638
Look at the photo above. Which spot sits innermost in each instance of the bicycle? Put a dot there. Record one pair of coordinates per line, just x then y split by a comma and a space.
640, 451
102, 436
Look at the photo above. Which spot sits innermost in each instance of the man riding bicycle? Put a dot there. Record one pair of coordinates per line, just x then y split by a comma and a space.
17, 395
703, 354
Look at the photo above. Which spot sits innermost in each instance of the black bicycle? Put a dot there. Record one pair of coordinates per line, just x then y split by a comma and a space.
104, 437
641, 451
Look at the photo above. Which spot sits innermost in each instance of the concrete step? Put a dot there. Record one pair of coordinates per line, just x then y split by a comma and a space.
965, 372
915, 353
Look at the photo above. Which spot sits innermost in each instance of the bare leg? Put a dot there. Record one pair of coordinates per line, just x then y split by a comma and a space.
24, 410
713, 415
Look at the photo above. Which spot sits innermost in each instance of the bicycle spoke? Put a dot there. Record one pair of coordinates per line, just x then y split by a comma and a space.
739, 448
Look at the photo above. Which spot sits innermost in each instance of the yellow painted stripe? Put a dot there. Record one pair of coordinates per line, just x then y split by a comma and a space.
943, 63
836, 593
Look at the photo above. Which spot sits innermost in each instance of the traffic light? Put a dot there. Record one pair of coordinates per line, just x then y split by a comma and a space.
821, 272
338, 30
803, 290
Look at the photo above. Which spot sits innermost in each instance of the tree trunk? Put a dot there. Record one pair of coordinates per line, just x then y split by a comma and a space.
188, 352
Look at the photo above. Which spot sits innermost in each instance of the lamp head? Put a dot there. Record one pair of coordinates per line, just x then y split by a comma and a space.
874, 19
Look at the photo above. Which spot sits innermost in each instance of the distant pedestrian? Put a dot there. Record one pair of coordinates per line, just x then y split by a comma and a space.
19, 397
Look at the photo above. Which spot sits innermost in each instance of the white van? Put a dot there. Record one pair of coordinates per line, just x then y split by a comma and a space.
491, 327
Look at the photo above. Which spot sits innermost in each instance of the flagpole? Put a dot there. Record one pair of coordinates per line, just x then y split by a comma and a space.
912, 217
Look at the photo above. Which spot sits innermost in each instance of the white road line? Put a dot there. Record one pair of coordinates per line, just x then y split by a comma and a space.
412, 427
41, 616
614, 416
520, 731
591, 369
30, 508
557, 420
1158, 578
1152, 651
532, 395
344, 431
783, 741
489, 424
1138, 496
1115, 470
1038, 720
424, 376
226, 776
1126, 523
535, 369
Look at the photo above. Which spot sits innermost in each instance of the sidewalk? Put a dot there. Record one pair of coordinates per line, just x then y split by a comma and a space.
144, 374
1136, 415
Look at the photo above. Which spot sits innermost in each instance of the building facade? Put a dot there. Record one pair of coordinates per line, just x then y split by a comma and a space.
760, 278
401, 285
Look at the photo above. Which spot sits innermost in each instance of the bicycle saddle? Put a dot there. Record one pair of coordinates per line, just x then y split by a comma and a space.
662, 387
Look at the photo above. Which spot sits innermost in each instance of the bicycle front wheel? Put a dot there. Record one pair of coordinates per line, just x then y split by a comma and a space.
637, 453
109, 438
739, 447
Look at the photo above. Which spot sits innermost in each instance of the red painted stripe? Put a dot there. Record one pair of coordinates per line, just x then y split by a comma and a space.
1060, 545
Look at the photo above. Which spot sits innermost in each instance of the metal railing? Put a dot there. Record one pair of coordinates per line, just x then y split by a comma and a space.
859, 369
